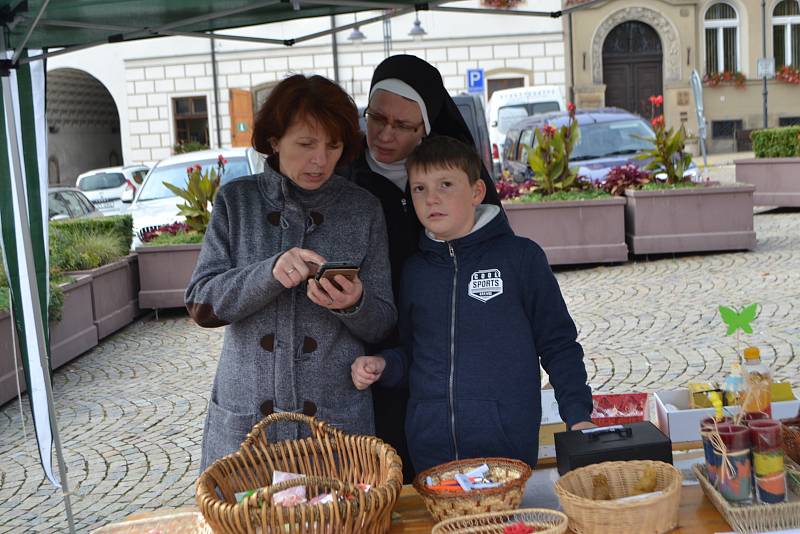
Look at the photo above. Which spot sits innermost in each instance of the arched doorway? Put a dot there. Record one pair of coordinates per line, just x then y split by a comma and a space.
83, 125
632, 66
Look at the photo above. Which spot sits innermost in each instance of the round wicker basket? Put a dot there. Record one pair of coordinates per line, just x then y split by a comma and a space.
652, 515
332, 461
543, 520
791, 438
442, 505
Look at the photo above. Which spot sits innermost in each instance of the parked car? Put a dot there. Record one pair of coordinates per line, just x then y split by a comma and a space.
509, 106
471, 108
609, 137
104, 187
154, 205
69, 203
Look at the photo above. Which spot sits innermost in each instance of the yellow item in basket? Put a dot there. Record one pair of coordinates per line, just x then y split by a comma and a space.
600, 491
782, 391
698, 394
647, 483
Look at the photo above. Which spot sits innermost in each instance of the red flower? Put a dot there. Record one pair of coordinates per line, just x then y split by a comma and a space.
198, 167
189, 169
571, 108
548, 130
658, 122
656, 100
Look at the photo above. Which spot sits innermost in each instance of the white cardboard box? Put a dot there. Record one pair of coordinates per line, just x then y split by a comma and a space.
683, 424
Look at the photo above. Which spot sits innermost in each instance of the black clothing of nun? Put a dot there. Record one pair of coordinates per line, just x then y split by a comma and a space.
402, 224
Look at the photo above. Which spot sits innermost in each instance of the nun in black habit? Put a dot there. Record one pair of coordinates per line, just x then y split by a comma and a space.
407, 101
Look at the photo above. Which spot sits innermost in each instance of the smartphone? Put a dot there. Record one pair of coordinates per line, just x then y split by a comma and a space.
329, 270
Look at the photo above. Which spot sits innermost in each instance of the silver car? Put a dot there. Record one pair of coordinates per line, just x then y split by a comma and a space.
104, 187
69, 203
154, 205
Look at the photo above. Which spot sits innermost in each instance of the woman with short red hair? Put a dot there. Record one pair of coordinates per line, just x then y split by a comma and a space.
291, 339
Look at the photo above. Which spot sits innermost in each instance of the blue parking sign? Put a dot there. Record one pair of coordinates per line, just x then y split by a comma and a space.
475, 80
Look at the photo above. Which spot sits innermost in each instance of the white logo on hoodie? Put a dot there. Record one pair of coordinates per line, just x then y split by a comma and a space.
485, 285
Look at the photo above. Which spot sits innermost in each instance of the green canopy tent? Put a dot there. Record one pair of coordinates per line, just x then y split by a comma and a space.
32, 30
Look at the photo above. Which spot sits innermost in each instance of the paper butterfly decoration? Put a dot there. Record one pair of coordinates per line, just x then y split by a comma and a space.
739, 320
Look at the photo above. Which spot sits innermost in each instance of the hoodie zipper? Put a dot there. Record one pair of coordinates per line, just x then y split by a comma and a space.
404, 202
453, 349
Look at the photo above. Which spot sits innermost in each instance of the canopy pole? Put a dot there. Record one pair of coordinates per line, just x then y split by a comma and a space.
11, 129
24, 41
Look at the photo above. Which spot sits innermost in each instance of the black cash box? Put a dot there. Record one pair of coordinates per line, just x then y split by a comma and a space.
631, 441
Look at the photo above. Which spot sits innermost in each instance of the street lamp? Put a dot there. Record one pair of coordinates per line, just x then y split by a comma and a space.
417, 33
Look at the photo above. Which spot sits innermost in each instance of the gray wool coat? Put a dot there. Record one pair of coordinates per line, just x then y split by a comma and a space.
282, 352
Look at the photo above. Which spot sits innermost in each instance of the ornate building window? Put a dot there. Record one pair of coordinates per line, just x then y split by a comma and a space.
191, 120
722, 39
786, 33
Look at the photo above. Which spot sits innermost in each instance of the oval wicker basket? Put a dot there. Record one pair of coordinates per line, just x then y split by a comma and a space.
333, 462
543, 520
653, 515
442, 505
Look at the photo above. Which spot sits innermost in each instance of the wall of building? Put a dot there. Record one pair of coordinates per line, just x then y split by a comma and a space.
144, 76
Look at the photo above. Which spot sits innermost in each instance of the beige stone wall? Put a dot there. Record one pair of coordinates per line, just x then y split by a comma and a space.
680, 25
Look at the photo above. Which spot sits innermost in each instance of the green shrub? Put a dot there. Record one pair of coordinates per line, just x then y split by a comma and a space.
586, 194
55, 308
777, 142
180, 238
120, 226
75, 250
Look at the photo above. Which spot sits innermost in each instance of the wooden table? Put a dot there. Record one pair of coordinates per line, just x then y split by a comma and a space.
696, 516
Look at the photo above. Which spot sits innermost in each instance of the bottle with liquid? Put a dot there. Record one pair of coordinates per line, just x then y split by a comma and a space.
733, 386
757, 383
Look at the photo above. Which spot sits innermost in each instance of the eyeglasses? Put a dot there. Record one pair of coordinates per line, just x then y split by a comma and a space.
379, 121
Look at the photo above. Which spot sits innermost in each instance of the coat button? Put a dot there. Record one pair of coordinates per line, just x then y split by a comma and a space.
309, 345
266, 408
268, 342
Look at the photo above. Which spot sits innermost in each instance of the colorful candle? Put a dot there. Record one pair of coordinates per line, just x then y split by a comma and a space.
706, 427
732, 454
767, 445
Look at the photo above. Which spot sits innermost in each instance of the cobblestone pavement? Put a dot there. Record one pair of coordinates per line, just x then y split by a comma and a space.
131, 410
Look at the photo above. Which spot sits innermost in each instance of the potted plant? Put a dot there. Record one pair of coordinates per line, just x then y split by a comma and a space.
169, 253
775, 170
99, 247
573, 221
9, 373
671, 214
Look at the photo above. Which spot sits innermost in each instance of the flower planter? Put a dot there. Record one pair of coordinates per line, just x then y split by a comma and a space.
115, 295
76, 332
690, 220
8, 380
571, 232
777, 180
164, 274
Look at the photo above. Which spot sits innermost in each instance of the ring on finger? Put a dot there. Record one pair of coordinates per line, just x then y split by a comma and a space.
290, 271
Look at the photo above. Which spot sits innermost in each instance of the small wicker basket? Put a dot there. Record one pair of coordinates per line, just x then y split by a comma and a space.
652, 515
442, 505
543, 520
332, 462
791, 438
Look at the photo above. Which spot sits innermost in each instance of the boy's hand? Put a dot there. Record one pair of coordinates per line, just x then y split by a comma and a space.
366, 370
583, 425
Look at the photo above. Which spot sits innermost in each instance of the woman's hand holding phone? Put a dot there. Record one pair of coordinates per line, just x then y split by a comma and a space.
325, 293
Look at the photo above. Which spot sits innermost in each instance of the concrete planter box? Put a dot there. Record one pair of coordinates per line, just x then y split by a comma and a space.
571, 232
76, 332
115, 295
690, 220
164, 274
777, 180
8, 380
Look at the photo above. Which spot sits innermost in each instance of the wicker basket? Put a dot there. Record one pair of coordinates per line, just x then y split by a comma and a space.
174, 523
544, 521
750, 518
652, 515
442, 505
332, 461
791, 438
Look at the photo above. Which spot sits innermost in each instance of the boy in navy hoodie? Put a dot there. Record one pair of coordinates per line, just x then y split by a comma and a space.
478, 309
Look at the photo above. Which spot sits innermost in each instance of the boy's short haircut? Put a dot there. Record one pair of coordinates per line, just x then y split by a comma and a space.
440, 151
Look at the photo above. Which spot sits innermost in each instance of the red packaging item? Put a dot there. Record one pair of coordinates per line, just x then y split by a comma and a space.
618, 408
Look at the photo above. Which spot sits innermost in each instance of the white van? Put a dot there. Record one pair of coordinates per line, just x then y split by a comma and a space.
509, 106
